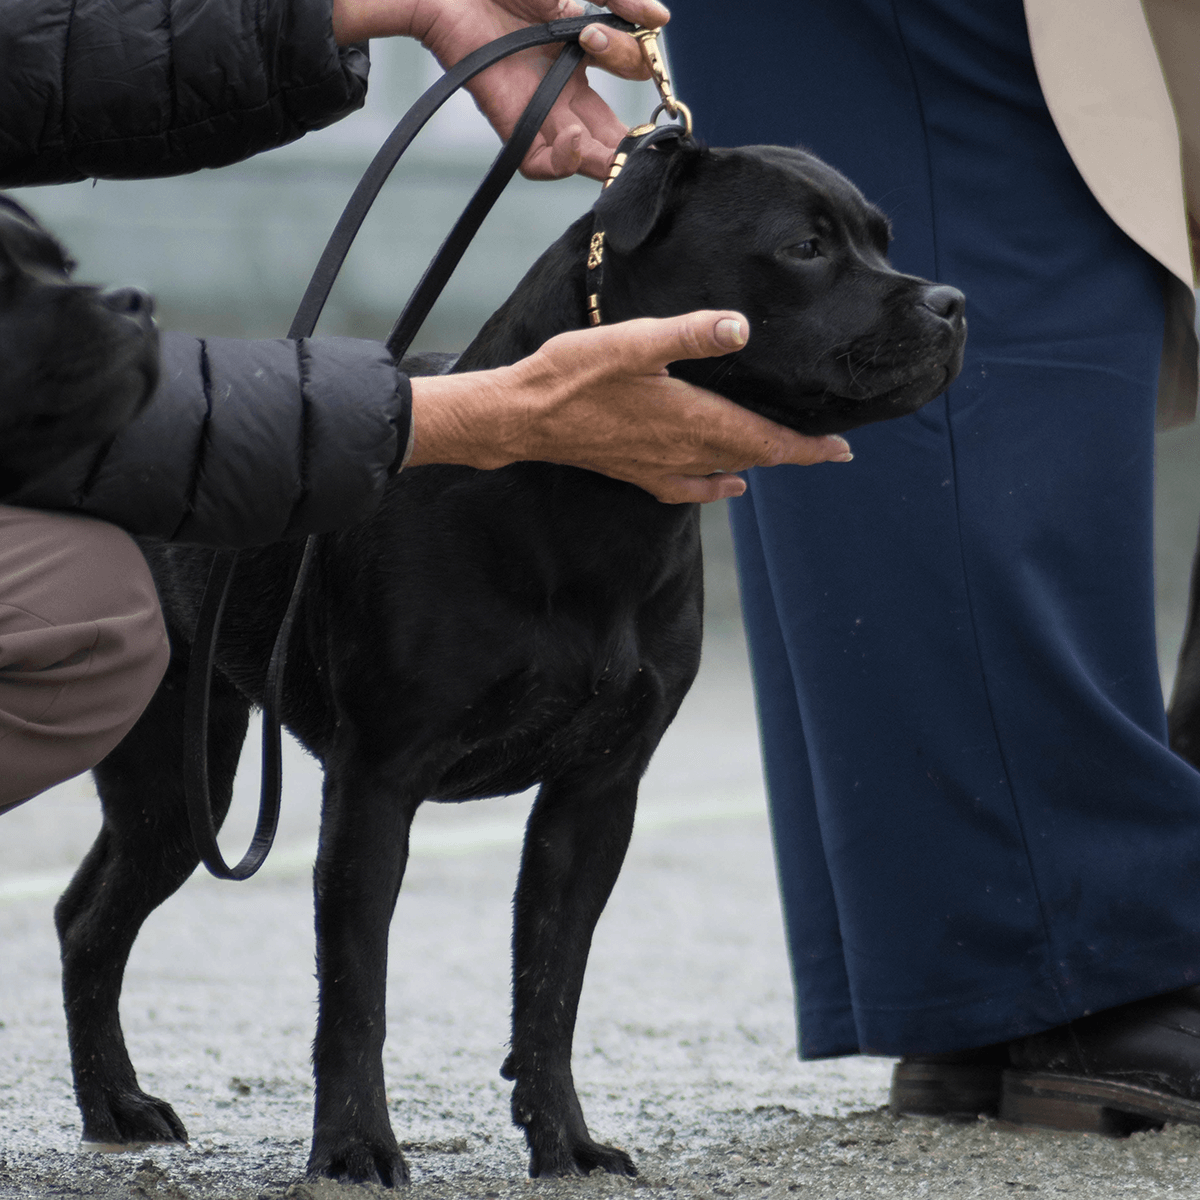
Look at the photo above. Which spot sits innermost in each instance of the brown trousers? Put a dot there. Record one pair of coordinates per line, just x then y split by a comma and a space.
82, 646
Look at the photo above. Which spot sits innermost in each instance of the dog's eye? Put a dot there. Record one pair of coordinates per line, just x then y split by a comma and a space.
808, 249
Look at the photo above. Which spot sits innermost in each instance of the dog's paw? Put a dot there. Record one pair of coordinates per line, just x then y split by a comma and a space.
578, 1157
545, 1106
357, 1161
131, 1118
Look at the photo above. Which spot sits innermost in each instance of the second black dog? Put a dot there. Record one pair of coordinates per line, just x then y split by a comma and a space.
59, 395
488, 631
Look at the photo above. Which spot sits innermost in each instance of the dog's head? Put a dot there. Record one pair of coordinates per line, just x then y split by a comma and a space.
76, 362
839, 338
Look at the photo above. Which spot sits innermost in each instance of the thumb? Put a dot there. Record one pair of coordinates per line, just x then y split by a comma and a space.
702, 335
648, 344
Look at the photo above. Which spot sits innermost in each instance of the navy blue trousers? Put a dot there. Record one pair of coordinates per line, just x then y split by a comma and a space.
980, 831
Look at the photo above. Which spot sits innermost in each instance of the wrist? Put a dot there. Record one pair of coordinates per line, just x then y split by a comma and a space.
476, 419
361, 20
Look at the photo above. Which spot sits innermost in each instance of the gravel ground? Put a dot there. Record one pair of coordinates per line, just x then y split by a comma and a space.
685, 1048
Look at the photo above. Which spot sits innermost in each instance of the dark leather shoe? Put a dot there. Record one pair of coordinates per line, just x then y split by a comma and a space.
958, 1086
1115, 1072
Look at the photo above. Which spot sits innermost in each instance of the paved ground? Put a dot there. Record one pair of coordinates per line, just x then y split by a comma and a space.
685, 1053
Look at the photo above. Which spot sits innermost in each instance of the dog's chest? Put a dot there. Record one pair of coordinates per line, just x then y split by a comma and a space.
519, 629
533, 726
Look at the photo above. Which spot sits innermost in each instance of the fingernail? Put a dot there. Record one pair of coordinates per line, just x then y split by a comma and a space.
731, 333
595, 39
844, 452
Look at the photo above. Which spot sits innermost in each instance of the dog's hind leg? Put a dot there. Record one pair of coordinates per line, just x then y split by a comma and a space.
575, 842
142, 855
360, 864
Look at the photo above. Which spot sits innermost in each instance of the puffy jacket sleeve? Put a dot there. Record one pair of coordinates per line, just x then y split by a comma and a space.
246, 442
127, 89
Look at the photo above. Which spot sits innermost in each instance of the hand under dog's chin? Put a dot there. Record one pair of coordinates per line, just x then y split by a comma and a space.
812, 408
820, 413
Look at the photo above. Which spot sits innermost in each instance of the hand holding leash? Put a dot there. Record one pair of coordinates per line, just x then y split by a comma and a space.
601, 399
582, 131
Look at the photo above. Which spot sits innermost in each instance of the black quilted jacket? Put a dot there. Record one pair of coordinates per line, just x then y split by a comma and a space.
244, 441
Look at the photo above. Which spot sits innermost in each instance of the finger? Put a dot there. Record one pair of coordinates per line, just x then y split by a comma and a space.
594, 130
695, 489
578, 108
580, 105
702, 335
539, 162
646, 345
772, 445
655, 342
595, 159
566, 152
564, 156
648, 13
618, 53
829, 448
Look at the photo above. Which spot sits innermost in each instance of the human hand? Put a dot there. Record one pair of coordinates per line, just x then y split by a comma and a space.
601, 399
581, 132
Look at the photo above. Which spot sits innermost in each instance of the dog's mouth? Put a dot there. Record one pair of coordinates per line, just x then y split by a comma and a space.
829, 412
902, 398
810, 409
858, 386
835, 412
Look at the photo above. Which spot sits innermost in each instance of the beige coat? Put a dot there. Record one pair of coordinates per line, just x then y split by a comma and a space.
1122, 81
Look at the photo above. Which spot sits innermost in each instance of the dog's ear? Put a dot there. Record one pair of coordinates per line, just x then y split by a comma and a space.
637, 199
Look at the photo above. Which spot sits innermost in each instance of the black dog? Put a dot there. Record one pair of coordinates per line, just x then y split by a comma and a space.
62, 392
486, 631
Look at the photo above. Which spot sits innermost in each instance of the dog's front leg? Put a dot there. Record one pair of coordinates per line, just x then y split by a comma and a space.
575, 843
360, 864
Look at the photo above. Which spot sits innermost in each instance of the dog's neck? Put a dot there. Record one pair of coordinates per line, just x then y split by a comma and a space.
548, 301
551, 299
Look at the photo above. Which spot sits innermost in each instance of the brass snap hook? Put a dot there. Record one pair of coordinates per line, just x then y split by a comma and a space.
648, 40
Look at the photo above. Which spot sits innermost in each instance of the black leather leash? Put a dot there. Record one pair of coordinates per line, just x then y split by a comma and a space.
220, 577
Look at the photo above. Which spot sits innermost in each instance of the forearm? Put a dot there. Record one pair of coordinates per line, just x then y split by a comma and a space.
245, 442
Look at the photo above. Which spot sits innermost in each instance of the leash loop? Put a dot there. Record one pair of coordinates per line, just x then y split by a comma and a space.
681, 110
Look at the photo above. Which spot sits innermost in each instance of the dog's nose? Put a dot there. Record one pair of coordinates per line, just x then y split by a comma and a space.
944, 301
129, 301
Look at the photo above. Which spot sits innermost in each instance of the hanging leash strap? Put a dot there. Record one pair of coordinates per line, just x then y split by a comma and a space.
221, 571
